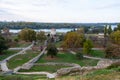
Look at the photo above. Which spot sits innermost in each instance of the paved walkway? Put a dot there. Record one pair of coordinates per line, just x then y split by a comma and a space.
17, 48
49, 75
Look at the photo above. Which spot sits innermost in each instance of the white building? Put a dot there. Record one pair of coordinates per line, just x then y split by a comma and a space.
53, 32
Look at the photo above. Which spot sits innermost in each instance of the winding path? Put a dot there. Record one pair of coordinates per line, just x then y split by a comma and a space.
3, 63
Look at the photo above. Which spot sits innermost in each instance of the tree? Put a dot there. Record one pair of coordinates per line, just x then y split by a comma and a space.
73, 40
105, 31
112, 51
87, 47
115, 37
51, 50
41, 36
109, 30
118, 27
27, 35
3, 45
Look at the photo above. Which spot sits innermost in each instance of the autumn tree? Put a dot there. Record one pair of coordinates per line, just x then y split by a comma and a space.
3, 44
87, 47
41, 36
73, 40
51, 50
112, 51
27, 35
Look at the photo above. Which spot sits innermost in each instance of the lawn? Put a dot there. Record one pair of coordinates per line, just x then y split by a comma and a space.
58, 44
22, 44
7, 53
69, 58
97, 53
37, 68
21, 59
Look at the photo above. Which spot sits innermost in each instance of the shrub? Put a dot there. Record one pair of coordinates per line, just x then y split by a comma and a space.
79, 55
112, 51
51, 50
87, 47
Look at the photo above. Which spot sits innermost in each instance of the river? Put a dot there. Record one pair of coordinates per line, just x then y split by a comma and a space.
62, 30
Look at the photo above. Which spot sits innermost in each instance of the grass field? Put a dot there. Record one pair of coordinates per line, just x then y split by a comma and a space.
22, 45
58, 44
50, 69
8, 53
21, 59
69, 58
97, 53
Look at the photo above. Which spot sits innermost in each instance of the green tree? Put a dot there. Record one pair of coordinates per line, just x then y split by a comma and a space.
87, 47
51, 50
115, 37
73, 40
109, 30
3, 44
41, 36
118, 27
105, 31
27, 35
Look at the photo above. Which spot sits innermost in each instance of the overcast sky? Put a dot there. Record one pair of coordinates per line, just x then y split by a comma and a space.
80, 11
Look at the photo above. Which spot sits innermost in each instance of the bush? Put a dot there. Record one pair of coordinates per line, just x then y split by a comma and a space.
16, 39
112, 51
79, 55
87, 47
51, 50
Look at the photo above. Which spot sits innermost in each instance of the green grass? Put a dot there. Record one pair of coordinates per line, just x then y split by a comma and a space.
22, 45
69, 58
21, 59
37, 68
7, 53
23, 77
97, 53
58, 44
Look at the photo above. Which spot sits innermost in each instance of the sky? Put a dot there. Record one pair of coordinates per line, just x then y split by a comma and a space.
70, 11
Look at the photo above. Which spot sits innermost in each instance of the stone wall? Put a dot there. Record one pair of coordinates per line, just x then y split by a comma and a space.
84, 70
57, 64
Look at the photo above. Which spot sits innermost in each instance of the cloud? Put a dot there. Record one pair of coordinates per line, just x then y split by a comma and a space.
58, 10
115, 5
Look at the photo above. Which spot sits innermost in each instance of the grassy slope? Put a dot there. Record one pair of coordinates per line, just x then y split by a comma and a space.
97, 53
21, 59
69, 58
50, 69
8, 53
